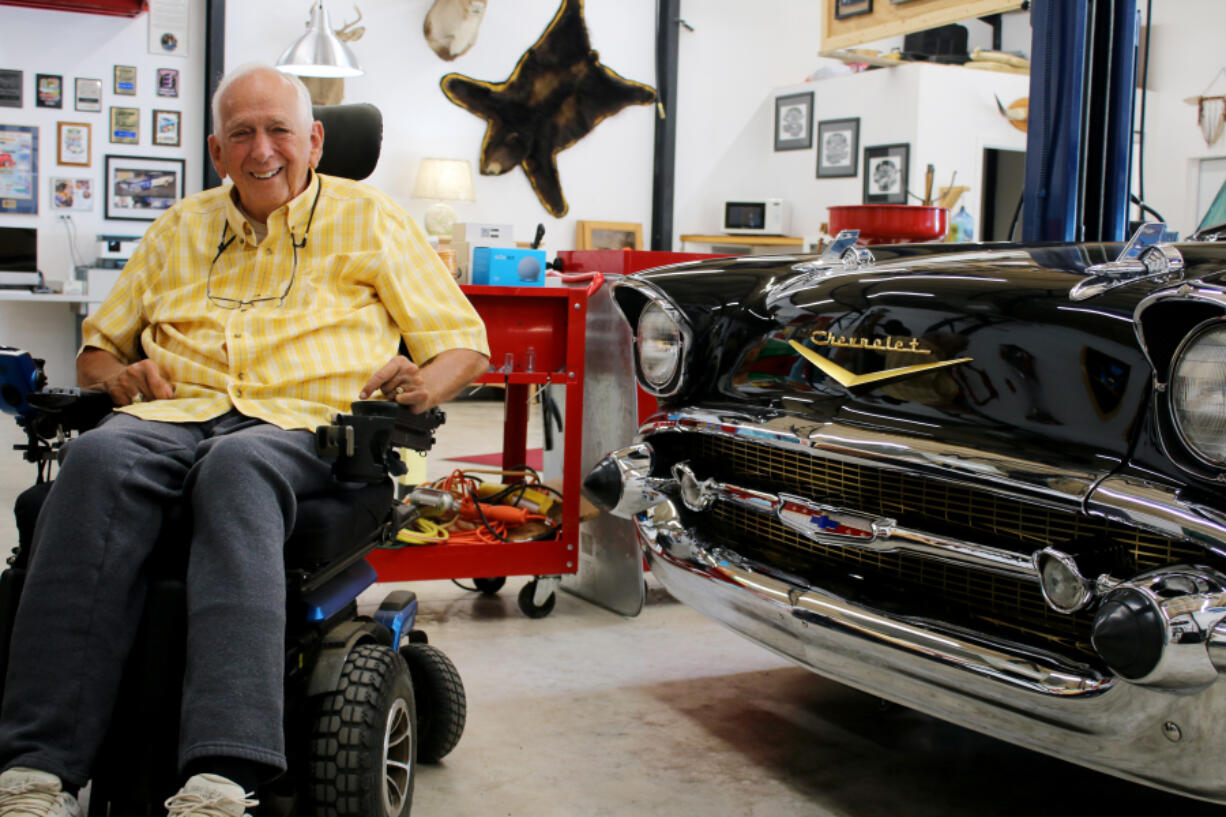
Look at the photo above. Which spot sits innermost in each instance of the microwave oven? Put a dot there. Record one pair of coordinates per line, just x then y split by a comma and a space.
763, 217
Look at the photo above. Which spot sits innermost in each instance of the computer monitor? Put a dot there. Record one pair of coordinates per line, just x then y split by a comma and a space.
18, 249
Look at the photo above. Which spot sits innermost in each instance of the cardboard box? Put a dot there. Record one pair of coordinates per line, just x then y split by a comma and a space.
483, 235
508, 267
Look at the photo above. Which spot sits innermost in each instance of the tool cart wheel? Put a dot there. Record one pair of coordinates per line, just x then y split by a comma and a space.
490, 586
442, 706
364, 744
528, 605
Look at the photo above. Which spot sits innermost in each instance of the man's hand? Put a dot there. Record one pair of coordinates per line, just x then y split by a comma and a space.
442, 378
399, 379
126, 384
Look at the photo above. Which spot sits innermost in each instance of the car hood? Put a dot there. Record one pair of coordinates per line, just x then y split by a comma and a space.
983, 346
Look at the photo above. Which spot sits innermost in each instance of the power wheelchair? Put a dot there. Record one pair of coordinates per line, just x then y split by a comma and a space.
366, 696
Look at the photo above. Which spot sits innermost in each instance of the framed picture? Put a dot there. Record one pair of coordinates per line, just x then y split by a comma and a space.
168, 82
851, 8
141, 188
19, 174
125, 80
125, 126
794, 121
10, 88
886, 174
166, 128
72, 143
838, 148
50, 90
72, 194
89, 94
608, 235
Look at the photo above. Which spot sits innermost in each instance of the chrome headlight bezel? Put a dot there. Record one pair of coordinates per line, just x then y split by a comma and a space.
673, 379
1173, 394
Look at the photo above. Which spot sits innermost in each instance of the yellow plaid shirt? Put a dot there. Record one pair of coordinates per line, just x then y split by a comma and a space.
365, 278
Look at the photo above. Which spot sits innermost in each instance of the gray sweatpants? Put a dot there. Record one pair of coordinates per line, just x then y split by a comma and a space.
83, 596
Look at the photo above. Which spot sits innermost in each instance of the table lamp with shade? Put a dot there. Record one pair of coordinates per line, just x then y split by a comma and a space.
443, 180
319, 52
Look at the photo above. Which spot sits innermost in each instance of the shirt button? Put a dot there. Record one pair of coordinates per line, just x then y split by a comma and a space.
242, 375
268, 250
238, 335
238, 392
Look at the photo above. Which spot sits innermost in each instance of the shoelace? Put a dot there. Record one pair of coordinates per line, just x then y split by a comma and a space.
197, 805
28, 798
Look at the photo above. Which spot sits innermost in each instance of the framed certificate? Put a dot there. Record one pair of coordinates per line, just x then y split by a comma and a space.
166, 128
72, 143
89, 94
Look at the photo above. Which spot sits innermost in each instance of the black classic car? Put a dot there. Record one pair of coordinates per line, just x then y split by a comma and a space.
984, 482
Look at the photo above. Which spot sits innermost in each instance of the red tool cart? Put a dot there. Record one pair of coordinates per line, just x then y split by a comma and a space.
537, 337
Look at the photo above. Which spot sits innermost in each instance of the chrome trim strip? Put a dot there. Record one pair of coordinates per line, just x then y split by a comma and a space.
1031, 698
1031, 481
1158, 508
1198, 291
843, 527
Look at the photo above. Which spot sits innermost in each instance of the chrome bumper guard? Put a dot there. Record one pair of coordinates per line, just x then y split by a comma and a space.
1029, 697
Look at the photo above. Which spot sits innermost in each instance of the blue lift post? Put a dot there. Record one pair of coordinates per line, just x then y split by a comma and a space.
1079, 141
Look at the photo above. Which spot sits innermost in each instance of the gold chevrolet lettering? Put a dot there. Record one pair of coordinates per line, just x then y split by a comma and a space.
851, 380
890, 344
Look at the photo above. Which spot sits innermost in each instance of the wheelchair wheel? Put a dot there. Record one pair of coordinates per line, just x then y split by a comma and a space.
364, 744
441, 704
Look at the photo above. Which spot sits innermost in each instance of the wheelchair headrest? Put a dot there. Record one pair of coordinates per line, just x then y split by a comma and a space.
353, 137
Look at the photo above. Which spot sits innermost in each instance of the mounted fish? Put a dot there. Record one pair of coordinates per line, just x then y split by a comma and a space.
451, 26
556, 95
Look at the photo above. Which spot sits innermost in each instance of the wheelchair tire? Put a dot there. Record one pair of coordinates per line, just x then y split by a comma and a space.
442, 707
364, 742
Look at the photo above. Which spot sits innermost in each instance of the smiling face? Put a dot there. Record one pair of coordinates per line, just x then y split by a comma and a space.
264, 141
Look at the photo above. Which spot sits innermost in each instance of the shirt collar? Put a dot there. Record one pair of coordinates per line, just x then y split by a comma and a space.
296, 213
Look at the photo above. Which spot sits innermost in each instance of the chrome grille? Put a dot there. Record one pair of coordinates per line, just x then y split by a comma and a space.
1012, 607
927, 504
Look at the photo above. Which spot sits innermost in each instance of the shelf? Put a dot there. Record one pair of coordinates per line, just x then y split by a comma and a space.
746, 240
46, 298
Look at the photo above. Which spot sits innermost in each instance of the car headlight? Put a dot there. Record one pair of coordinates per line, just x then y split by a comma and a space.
1198, 393
661, 346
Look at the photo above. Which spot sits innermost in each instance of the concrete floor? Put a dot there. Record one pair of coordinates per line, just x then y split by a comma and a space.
587, 713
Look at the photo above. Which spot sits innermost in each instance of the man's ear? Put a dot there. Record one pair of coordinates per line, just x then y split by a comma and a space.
215, 155
317, 142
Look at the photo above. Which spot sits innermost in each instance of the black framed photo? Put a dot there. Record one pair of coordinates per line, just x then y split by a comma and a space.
838, 148
50, 90
851, 8
10, 88
885, 174
794, 121
141, 188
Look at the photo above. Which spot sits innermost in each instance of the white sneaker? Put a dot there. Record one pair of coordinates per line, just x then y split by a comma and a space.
31, 793
208, 795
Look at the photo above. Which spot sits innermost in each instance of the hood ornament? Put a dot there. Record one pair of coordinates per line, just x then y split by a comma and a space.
1143, 257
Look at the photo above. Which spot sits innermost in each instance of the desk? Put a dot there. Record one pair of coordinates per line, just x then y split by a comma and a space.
47, 326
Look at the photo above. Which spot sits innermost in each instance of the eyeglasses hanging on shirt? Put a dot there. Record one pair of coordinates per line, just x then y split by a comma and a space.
236, 303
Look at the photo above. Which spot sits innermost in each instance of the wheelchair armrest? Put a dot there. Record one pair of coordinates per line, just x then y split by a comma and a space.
70, 408
363, 444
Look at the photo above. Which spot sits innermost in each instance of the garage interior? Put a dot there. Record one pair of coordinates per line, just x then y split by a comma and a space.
588, 711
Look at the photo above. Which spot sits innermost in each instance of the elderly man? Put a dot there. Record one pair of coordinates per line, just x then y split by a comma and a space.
249, 315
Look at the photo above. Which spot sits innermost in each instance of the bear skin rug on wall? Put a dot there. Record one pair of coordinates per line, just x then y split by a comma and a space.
556, 95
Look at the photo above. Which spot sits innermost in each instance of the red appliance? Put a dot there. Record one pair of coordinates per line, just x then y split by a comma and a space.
120, 8
890, 223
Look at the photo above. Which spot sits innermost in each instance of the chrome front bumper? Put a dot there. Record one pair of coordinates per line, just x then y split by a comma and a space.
1033, 698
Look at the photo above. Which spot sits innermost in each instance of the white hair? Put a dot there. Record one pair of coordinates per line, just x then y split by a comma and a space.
305, 111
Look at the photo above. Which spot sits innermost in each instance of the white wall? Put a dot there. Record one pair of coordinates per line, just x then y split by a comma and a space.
88, 45
605, 176
1185, 56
